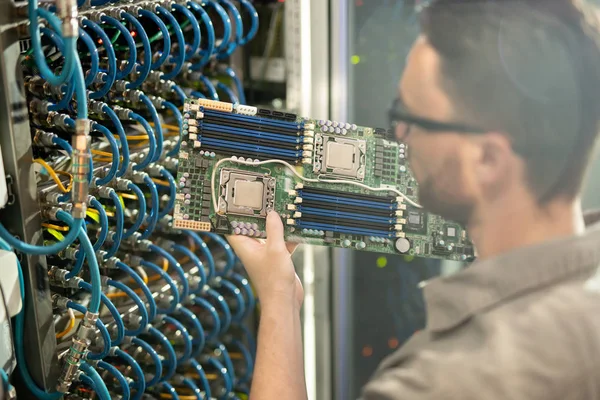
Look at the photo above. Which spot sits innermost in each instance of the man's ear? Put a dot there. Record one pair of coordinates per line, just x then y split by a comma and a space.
494, 164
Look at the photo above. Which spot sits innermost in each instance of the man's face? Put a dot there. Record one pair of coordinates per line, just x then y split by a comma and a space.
441, 162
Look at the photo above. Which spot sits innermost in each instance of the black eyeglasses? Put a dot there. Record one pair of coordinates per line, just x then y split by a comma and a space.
398, 115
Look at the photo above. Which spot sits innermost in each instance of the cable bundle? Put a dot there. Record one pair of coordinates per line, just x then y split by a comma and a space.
140, 309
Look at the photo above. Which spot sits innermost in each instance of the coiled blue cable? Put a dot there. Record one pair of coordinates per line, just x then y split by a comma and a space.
70, 46
195, 45
147, 293
171, 360
199, 338
239, 30
232, 97
132, 59
79, 259
206, 53
118, 376
224, 354
101, 327
205, 252
63, 144
143, 69
170, 282
111, 72
230, 256
120, 221
209, 87
157, 126
214, 332
253, 22
151, 138
176, 266
188, 253
154, 200
114, 147
247, 359
171, 390
94, 59
187, 338
179, 58
241, 307
155, 359
96, 205
141, 210
238, 84
113, 311
122, 138
202, 378
220, 300
180, 93
227, 34
99, 385
172, 193
140, 384
197, 94
192, 386
171, 107
138, 301
213, 362
66, 98
165, 36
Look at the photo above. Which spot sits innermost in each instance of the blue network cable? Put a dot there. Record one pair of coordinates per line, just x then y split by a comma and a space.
63, 144
140, 384
120, 221
238, 84
206, 53
101, 327
195, 45
205, 252
232, 97
157, 126
114, 147
171, 107
187, 338
111, 72
172, 193
143, 69
131, 61
188, 253
154, 207
118, 376
171, 360
237, 294
239, 346
209, 87
197, 94
151, 138
220, 369
94, 59
155, 359
170, 282
122, 138
176, 266
179, 92
202, 378
216, 328
239, 30
96, 205
253, 22
199, 338
171, 390
147, 293
179, 58
141, 210
113, 311
230, 256
99, 385
220, 300
245, 285
227, 34
192, 386
165, 36
224, 354
138, 301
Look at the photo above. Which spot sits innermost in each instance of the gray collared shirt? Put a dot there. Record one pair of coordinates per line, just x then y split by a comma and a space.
521, 326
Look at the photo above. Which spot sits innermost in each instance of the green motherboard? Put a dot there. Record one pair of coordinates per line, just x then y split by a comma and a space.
334, 184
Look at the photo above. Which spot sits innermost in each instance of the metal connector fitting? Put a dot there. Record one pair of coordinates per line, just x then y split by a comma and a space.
133, 95
57, 276
165, 86
155, 169
120, 85
58, 120
50, 213
105, 192
122, 113
89, 200
115, 12
59, 302
110, 236
104, 280
96, 106
70, 253
43, 138
121, 184
138, 176
133, 239
157, 101
127, 340
100, 255
79, 210
100, 77
52, 198
68, 207
74, 282
165, 223
133, 261
134, 9
144, 245
111, 263
67, 11
171, 163
154, 76
82, 126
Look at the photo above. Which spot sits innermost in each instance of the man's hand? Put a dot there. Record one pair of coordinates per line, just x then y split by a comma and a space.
269, 264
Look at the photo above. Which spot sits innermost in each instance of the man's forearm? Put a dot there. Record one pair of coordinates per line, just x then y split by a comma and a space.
279, 370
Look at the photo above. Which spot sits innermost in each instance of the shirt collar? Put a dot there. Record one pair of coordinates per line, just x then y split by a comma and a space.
454, 299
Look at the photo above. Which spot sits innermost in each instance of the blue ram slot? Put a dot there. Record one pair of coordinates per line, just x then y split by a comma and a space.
351, 202
254, 120
251, 133
346, 215
271, 151
343, 229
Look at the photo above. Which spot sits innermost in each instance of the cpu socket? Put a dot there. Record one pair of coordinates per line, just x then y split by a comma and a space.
341, 157
245, 193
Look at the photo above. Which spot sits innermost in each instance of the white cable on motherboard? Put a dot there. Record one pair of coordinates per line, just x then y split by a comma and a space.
311, 180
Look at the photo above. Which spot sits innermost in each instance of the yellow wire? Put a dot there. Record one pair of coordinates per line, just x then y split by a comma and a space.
167, 126
101, 153
54, 176
137, 137
56, 227
160, 182
70, 326
128, 196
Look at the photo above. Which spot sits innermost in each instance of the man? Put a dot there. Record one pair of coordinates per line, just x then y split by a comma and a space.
499, 105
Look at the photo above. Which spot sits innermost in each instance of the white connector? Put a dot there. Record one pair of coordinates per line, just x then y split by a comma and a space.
245, 110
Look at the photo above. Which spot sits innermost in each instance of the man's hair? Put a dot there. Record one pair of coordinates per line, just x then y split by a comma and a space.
530, 69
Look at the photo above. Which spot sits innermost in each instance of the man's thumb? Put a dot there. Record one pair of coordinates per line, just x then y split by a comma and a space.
275, 231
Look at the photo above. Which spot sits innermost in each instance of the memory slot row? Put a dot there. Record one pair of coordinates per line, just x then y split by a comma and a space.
351, 195
343, 200
344, 229
317, 212
333, 207
248, 150
254, 122
256, 136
